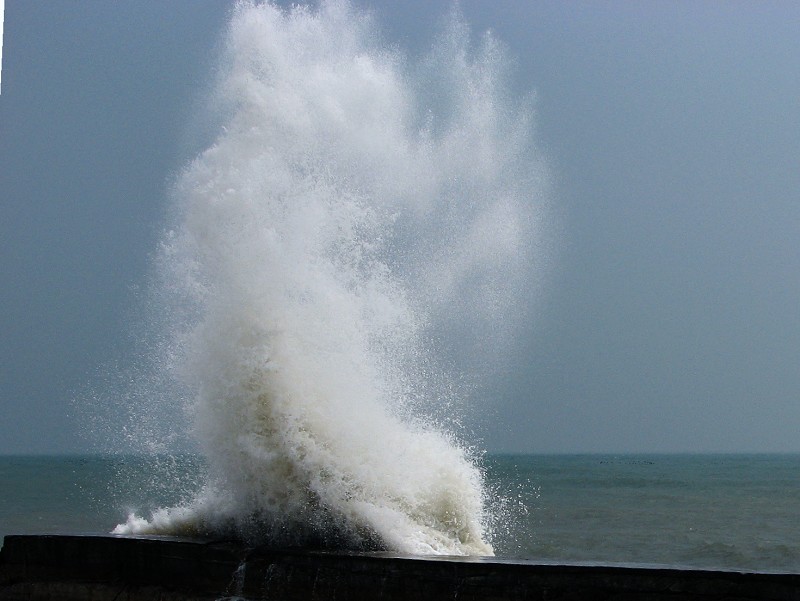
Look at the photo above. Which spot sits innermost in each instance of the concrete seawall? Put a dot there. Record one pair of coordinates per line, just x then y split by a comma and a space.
100, 568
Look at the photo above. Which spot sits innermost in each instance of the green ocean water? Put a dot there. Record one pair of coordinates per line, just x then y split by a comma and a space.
705, 511
709, 511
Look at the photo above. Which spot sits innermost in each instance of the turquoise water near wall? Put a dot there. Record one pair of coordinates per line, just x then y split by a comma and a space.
710, 511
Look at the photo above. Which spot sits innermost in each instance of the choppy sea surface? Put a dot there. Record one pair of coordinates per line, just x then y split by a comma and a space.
705, 511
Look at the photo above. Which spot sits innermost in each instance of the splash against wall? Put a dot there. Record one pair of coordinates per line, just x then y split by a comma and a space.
354, 210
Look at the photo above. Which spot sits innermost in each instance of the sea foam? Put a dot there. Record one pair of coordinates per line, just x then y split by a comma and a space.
354, 209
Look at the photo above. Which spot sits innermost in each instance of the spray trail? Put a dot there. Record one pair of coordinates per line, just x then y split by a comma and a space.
350, 206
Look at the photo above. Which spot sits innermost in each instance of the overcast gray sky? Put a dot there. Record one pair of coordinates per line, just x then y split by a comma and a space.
670, 316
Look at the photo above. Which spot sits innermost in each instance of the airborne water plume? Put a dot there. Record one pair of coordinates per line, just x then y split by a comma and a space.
354, 210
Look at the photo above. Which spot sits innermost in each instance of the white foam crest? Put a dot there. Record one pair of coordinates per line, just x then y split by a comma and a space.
319, 238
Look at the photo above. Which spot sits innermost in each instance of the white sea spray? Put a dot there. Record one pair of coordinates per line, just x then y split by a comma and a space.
350, 206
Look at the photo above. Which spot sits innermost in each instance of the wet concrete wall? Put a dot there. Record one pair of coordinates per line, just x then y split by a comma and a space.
105, 568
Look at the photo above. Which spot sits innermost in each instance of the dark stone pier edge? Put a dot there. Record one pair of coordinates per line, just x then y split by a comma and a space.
100, 568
